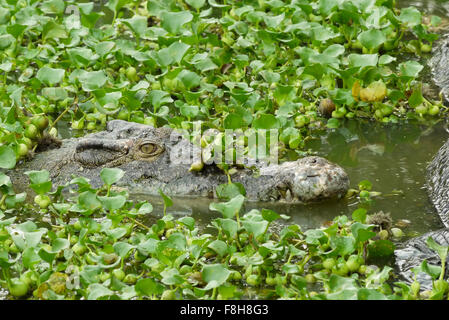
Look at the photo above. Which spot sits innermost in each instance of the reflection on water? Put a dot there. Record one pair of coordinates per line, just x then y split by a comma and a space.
392, 157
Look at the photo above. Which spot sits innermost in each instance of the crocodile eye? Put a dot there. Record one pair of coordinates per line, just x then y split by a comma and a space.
150, 149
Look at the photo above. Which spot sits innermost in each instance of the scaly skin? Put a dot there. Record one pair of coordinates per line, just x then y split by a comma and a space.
438, 64
413, 252
305, 180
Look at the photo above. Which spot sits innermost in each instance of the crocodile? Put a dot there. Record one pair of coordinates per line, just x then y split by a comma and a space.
155, 158
438, 66
412, 253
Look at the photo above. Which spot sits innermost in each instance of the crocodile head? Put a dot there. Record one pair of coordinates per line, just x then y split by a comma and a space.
160, 158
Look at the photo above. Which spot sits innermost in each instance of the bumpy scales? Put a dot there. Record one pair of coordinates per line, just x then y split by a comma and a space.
154, 158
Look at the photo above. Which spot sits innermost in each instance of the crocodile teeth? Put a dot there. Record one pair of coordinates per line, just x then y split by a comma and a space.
288, 195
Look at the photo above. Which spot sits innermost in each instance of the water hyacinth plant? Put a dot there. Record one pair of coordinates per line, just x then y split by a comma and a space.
93, 246
291, 65
285, 65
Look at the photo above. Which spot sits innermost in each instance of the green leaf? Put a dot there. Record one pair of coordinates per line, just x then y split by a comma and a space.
365, 185
416, 98
359, 215
59, 244
111, 175
381, 248
159, 97
333, 123
189, 111
53, 30
362, 232
327, 6
148, 287
283, 94
30, 257
370, 294
6, 40
372, 39
213, 3
441, 250
53, 7
171, 277
82, 57
435, 21
50, 76
5, 180
343, 245
112, 203
386, 59
363, 60
47, 256
229, 226
116, 5
189, 222
338, 283
270, 215
410, 68
145, 208
93, 80
315, 236
38, 177
220, 247
122, 249
214, 275
88, 200
55, 93
257, 228
189, 78
173, 21
97, 291
138, 24
16, 30
410, 16
228, 209
230, 190
7, 157
168, 202
432, 270
197, 4
176, 51
266, 121
233, 121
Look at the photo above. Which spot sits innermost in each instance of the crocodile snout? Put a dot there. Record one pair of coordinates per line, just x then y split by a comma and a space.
308, 179
96, 152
